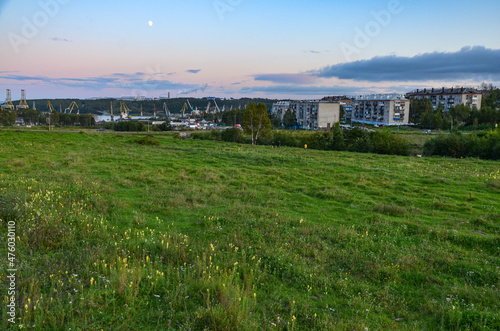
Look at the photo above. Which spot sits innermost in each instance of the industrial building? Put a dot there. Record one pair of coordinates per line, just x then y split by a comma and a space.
381, 109
449, 97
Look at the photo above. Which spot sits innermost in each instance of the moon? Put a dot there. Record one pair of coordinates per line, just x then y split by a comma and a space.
150, 23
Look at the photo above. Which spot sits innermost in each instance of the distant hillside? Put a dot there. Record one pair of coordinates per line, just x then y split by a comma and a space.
175, 105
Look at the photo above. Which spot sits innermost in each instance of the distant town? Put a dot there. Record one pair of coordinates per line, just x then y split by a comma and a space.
206, 113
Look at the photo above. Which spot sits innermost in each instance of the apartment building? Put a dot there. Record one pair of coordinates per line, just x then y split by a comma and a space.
316, 114
381, 109
345, 102
449, 97
279, 108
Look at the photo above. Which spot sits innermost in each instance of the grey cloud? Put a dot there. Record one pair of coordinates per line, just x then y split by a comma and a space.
317, 52
138, 80
476, 63
309, 90
193, 71
60, 39
287, 78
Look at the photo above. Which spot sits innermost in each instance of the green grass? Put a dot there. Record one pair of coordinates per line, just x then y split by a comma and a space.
114, 234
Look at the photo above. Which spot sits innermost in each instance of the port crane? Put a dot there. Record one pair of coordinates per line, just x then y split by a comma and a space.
23, 104
69, 110
8, 101
217, 109
190, 105
49, 105
184, 108
167, 112
125, 111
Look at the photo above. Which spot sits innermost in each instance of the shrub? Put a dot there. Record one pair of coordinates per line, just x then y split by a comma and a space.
148, 140
384, 142
129, 126
485, 145
234, 135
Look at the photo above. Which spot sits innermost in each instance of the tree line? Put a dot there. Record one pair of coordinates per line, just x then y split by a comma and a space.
459, 116
37, 117
257, 126
174, 105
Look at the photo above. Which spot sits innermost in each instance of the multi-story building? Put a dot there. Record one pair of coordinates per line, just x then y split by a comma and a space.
449, 97
345, 102
316, 114
279, 108
381, 109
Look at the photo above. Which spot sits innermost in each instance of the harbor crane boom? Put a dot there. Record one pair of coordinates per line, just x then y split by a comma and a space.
184, 108
50, 106
189, 105
23, 104
8, 101
125, 112
167, 111
71, 107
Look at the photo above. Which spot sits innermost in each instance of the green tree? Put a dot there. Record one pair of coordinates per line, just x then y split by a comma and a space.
438, 117
289, 119
459, 115
418, 108
7, 117
256, 121
337, 142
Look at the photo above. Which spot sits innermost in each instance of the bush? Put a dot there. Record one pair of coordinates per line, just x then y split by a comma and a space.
484, 145
129, 126
286, 139
162, 127
384, 142
148, 140
233, 135
355, 140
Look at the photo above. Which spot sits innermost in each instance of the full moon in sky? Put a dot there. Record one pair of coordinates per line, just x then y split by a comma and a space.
150, 23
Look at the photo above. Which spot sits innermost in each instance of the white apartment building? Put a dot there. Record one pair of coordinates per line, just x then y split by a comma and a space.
381, 109
279, 108
316, 114
449, 97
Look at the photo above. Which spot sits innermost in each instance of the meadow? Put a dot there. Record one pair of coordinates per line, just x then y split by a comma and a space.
127, 231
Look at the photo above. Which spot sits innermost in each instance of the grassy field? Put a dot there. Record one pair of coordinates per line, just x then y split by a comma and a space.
186, 234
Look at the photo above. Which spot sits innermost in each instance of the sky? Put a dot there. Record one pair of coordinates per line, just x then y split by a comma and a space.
241, 48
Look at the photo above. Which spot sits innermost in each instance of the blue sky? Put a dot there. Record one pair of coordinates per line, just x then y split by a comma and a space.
278, 49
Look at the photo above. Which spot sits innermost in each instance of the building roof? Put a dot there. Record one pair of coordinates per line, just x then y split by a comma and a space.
443, 90
381, 97
336, 98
